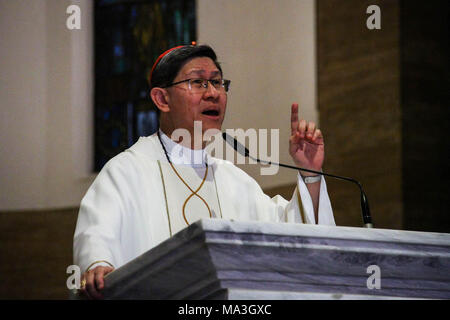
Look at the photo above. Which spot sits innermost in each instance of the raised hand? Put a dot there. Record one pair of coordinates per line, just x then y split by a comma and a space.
306, 145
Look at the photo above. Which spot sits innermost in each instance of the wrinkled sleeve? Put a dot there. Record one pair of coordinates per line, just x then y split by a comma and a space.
300, 209
97, 233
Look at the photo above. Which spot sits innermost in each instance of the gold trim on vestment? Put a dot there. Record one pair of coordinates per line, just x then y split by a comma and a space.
217, 194
193, 192
98, 261
300, 205
165, 197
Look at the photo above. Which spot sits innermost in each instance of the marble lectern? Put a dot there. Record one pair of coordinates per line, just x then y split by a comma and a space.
220, 259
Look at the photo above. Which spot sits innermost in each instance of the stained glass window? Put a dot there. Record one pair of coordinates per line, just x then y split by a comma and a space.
129, 36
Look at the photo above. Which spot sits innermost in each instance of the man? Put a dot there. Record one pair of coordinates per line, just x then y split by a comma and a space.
154, 189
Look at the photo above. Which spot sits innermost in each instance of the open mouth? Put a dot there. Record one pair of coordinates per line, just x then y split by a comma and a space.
213, 113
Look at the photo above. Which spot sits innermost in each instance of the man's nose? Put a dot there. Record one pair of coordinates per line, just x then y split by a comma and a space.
211, 91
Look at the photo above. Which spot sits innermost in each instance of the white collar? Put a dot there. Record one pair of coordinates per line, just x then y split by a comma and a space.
179, 154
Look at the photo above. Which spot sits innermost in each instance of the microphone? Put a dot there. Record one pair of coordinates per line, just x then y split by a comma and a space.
367, 219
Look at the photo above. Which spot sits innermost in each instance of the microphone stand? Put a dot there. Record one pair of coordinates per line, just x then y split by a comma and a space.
367, 219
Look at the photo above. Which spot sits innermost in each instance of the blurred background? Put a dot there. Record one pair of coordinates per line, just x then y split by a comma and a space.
72, 99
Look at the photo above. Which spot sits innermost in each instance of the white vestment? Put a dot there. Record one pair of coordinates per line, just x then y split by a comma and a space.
136, 201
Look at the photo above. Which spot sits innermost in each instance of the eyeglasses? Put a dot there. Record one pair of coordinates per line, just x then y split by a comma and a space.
200, 85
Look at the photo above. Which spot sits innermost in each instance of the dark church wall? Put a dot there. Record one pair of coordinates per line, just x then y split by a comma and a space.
35, 251
425, 88
383, 105
359, 108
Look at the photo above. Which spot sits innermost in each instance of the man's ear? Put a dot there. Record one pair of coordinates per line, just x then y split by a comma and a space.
160, 98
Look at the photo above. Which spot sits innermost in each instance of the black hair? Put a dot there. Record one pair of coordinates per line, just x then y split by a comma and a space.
168, 67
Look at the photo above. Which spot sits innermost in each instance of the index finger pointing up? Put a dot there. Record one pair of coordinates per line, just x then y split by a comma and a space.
294, 118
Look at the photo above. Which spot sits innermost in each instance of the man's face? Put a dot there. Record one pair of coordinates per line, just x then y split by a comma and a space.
186, 107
